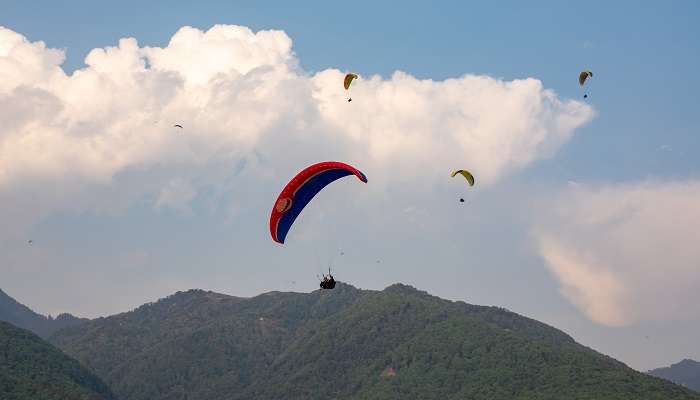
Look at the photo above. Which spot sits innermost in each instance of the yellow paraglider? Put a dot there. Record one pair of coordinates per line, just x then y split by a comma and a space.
466, 174
348, 81
582, 77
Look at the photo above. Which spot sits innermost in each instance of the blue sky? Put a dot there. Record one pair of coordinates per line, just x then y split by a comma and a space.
644, 95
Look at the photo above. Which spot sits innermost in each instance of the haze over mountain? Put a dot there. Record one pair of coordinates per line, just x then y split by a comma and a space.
398, 343
685, 372
32, 369
22, 316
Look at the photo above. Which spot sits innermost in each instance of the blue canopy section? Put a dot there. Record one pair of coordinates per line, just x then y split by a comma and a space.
304, 195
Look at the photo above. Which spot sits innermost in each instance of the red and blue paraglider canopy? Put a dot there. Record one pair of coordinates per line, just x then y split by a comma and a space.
301, 189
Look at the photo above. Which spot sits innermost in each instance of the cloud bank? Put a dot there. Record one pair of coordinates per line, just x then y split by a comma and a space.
242, 98
625, 254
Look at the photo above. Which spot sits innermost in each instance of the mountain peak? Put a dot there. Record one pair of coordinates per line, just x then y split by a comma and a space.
685, 372
402, 288
22, 316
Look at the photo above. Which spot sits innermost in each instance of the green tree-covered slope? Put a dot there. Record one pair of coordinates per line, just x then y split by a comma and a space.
399, 343
32, 369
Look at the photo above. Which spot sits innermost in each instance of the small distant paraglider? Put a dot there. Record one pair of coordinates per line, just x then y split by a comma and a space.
177, 126
347, 81
467, 175
30, 242
582, 78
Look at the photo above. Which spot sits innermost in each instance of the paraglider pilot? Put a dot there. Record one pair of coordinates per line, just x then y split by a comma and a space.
328, 282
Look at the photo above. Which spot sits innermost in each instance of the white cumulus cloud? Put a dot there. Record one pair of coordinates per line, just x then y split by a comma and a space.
68, 140
626, 253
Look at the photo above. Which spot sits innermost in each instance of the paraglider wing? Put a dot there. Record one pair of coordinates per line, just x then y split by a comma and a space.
466, 174
177, 126
348, 80
301, 189
583, 76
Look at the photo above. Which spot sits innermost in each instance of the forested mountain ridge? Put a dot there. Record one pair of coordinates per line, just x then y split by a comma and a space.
345, 344
686, 373
22, 316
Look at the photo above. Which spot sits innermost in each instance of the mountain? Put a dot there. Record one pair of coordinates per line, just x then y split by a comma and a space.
399, 343
33, 369
686, 373
20, 315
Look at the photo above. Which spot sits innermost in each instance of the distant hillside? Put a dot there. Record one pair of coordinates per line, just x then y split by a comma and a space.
399, 343
20, 315
686, 373
32, 369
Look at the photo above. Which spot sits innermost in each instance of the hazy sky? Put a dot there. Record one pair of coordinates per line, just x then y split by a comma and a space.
584, 215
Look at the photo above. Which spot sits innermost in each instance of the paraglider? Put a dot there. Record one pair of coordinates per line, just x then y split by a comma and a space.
30, 242
347, 81
328, 282
301, 189
467, 175
177, 126
582, 77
